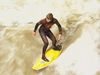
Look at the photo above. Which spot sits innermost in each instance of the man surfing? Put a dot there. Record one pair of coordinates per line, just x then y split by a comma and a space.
45, 32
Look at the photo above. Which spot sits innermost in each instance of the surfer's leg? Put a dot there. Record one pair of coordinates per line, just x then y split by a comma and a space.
52, 37
45, 40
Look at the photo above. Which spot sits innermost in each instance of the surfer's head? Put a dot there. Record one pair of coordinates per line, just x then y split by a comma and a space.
49, 17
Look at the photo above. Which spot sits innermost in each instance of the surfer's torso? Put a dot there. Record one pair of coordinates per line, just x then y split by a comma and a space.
46, 24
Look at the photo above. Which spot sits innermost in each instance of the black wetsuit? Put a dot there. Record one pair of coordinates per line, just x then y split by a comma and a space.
45, 31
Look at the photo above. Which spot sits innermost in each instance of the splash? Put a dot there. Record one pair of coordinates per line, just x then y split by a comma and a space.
19, 49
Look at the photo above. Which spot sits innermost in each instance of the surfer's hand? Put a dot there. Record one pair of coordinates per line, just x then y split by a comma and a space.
33, 33
59, 36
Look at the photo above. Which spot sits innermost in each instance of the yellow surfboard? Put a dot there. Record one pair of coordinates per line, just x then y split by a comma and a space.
51, 55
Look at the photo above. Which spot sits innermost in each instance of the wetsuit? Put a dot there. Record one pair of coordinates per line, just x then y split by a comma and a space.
45, 31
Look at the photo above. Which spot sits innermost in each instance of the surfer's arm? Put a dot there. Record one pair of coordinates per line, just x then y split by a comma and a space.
36, 26
59, 26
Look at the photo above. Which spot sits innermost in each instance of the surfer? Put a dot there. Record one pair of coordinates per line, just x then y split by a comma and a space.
45, 32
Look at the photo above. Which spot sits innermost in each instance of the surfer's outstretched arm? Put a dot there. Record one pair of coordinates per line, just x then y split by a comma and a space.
59, 27
36, 26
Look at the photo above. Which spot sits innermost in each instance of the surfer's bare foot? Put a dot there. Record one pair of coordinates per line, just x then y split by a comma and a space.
45, 59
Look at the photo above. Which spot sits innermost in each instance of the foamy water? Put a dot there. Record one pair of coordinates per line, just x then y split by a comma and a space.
19, 48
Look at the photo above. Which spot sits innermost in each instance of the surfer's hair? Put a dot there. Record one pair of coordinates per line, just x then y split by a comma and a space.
49, 16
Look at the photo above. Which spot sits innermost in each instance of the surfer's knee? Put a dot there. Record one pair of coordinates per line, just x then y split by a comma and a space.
46, 43
54, 42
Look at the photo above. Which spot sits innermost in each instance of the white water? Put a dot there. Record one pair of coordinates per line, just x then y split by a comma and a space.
81, 57
19, 49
